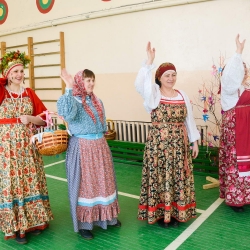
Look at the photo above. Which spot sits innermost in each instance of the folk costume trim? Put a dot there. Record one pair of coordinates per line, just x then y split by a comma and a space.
162, 205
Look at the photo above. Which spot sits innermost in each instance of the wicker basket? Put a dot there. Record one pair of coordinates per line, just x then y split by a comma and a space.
53, 143
111, 133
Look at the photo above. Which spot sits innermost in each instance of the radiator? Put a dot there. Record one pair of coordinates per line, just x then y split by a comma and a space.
134, 131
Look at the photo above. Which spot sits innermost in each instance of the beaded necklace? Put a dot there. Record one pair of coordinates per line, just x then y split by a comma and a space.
168, 97
16, 100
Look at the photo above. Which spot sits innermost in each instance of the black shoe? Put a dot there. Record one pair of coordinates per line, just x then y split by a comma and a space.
118, 224
161, 223
238, 209
20, 240
36, 232
86, 234
174, 222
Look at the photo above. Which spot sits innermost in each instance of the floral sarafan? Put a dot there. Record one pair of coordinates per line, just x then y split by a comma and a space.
11, 58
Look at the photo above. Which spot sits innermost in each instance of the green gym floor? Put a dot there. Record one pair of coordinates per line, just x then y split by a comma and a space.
216, 226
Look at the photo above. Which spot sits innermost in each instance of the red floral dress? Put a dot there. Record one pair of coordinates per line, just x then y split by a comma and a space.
24, 201
167, 187
234, 187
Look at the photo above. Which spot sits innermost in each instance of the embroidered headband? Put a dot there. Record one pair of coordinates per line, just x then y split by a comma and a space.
162, 69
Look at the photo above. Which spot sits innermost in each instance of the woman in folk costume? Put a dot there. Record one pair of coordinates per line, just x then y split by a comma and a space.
167, 187
24, 200
90, 172
234, 154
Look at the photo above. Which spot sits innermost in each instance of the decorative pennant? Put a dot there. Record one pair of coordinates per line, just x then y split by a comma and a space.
44, 6
205, 117
3, 11
216, 137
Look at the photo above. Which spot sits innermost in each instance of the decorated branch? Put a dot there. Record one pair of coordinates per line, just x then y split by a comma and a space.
208, 104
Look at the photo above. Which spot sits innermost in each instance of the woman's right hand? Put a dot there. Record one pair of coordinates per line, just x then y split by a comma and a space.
239, 45
67, 78
150, 53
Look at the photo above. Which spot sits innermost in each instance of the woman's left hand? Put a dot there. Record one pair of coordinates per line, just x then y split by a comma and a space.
25, 119
195, 150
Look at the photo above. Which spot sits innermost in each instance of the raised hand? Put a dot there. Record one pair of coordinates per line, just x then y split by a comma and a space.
67, 78
150, 53
239, 45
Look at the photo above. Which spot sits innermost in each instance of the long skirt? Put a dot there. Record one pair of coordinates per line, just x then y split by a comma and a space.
235, 189
24, 200
167, 188
92, 185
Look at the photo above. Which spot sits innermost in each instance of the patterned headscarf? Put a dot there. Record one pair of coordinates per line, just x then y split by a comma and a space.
79, 90
163, 68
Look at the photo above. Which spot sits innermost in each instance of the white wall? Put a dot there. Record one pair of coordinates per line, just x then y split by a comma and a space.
191, 36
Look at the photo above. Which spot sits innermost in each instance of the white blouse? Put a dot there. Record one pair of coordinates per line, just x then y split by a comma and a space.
231, 81
152, 96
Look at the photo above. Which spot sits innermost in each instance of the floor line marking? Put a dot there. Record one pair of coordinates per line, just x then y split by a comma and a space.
200, 211
55, 163
194, 226
56, 178
129, 195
